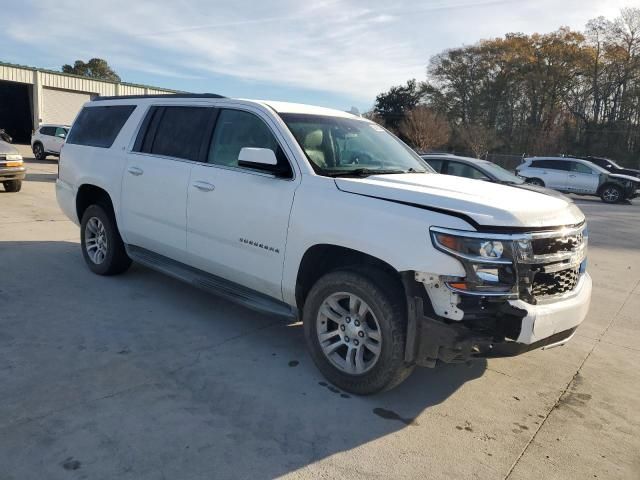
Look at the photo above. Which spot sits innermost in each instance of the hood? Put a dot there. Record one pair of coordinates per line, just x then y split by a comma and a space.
6, 148
624, 177
484, 203
543, 190
627, 171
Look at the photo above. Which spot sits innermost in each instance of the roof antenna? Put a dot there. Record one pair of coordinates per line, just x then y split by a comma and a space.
355, 111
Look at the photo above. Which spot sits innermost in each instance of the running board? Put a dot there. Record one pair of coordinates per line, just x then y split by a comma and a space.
211, 283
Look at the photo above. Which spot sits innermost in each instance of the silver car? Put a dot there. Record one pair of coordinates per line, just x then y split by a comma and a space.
12, 169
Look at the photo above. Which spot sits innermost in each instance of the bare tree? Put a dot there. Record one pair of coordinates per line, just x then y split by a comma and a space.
477, 138
425, 129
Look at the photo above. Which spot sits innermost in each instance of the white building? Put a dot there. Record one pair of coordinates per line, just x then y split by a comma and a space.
32, 96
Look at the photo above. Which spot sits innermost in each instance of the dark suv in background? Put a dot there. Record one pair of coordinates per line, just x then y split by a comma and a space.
612, 166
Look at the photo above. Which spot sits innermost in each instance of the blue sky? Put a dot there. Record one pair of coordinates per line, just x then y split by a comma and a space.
335, 53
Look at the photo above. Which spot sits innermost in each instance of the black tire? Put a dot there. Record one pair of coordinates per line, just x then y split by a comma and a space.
535, 181
12, 186
38, 151
611, 194
388, 304
115, 259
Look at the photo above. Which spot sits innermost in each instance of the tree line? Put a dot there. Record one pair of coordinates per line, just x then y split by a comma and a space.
573, 92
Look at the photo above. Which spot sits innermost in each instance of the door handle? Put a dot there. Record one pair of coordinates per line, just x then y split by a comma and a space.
135, 171
572, 176
203, 186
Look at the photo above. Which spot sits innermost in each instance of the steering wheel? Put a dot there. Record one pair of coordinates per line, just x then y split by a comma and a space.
362, 157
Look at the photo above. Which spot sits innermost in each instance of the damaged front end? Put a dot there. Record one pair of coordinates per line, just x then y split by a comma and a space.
520, 292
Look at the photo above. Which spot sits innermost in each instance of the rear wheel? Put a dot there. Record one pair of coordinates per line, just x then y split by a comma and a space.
102, 246
38, 151
535, 181
12, 186
611, 194
355, 327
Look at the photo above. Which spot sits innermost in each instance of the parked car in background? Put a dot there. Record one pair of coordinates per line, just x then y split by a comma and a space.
48, 140
468, 167
573, 175
612, 166
323, 216
12, 169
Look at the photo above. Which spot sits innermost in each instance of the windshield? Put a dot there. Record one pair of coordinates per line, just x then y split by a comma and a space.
338, 146
611, 162
501, 174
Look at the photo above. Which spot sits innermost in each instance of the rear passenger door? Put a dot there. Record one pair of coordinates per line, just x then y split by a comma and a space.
156, 177
238, 217
47, 137
554, 173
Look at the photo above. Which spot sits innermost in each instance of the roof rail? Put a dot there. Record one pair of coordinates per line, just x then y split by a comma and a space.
168, 95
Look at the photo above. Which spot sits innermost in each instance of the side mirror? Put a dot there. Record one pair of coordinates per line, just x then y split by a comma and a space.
258, 158
609, 166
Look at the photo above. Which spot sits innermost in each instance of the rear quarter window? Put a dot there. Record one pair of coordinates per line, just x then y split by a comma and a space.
99, 126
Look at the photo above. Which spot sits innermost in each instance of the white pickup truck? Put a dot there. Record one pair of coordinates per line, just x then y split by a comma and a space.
324, 216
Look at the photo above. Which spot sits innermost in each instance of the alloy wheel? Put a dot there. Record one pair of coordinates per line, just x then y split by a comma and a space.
611, 195
349, 333
95, 240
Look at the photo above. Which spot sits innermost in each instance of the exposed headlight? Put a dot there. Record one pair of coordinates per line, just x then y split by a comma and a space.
488, 262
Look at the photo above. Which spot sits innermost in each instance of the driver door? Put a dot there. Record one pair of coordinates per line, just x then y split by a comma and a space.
238, 217
58, 139
582, 179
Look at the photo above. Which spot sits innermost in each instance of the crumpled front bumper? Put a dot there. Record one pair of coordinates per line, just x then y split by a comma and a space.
508, 328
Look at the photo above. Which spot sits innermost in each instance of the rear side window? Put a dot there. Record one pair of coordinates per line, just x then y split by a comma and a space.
551, 164
176, 131
47, 130
99, 126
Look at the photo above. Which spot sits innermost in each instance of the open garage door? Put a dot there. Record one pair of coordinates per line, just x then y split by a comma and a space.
61, 106
15, 110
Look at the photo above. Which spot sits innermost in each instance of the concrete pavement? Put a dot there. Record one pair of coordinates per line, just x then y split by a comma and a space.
143, 377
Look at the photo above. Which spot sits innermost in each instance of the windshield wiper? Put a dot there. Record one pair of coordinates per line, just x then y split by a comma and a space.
363, 172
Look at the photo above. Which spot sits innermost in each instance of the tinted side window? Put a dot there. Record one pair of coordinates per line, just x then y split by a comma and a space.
47, 130
580, 168
180, 132
551, 164
99, 126
236, 130
463, 170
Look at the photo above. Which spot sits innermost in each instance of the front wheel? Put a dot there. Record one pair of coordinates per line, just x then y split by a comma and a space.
611, 194
102, 246
12, 186
355, 328
38, 151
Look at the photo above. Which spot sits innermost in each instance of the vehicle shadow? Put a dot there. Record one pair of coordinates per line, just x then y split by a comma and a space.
177, 380
41, 177
46, 161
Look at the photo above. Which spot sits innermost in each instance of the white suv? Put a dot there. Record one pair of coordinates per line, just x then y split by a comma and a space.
321, 215
573, 175
48, 140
